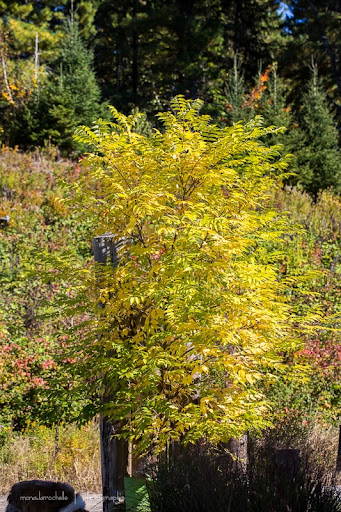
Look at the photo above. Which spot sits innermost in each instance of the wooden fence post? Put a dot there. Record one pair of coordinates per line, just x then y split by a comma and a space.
238, 448
114, 451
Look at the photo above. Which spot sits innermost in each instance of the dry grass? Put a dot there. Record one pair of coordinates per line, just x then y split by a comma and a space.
75, 456
38, 453
323, 444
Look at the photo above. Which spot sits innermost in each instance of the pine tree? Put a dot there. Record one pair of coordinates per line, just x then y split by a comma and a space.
70, 98
236, 107
314, 28
272, 105
75, 92
276, 111
318, 158
150, 51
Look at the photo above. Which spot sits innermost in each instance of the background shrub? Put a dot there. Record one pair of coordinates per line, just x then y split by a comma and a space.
199, 479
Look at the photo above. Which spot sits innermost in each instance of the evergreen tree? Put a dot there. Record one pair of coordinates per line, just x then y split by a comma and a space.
237, 108
313, 28
275, 111
273, 105
148, 51
318, 157
74, 93
266, 98
30, 33
69, 99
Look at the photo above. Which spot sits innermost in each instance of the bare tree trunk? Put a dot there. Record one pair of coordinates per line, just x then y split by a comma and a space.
36, 58
9, 92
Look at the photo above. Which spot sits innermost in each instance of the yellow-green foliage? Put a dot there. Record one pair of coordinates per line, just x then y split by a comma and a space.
195, 315
65, 453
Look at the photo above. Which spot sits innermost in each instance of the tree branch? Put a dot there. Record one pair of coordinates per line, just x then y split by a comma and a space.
6, 79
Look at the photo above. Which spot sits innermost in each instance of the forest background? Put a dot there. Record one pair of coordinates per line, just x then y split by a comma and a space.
63, 63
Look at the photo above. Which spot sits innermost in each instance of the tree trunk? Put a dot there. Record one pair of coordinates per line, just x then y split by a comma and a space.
114, 460
114, 451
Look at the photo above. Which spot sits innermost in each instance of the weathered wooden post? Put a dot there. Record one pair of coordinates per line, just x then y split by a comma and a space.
238, 450
114, 451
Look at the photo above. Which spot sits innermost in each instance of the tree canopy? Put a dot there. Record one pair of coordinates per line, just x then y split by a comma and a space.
194, 316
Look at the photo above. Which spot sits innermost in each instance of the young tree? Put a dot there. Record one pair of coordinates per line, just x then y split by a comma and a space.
269, 100
318, 156
69, 98
275, 108
74, 93
194, 317
232, 104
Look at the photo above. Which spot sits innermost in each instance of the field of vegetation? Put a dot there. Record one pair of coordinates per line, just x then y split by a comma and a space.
64, 452
36, 373
211, 153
